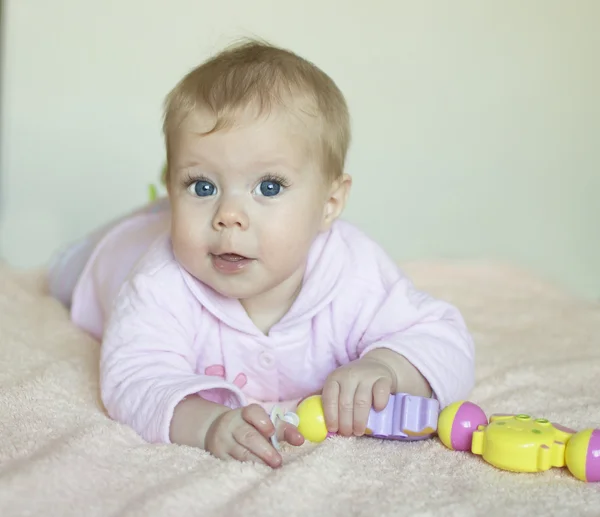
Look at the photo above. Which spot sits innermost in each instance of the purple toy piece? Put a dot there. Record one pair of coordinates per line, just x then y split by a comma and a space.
406, 417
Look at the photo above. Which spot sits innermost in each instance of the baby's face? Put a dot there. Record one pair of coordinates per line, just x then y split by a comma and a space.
247, 203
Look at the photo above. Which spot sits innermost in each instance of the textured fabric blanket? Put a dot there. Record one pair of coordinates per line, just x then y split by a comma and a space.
538, 352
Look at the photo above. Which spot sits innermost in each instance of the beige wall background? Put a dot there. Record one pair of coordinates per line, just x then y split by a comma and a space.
476, 124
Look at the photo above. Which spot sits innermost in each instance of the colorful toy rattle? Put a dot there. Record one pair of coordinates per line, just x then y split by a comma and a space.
520, 443
406, 417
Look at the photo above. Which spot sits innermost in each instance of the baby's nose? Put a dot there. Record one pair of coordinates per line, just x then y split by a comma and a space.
230, 215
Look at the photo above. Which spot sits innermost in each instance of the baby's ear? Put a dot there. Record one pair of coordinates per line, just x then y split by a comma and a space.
336, 200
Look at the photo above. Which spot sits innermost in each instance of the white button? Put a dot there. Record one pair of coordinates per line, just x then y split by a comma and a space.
266, 360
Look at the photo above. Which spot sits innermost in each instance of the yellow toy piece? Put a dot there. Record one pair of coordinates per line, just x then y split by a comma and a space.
312, 419
519, 443
583, 455
576, 453
445, 422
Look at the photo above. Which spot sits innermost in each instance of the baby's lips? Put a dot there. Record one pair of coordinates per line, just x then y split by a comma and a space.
233, 257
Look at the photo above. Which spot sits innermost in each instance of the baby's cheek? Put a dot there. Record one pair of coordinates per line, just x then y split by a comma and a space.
285, 242
189, 244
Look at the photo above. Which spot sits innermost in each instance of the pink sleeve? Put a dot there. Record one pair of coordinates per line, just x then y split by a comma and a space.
431, 334
148, 361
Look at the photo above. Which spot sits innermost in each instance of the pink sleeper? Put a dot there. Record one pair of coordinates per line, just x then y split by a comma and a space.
165, 335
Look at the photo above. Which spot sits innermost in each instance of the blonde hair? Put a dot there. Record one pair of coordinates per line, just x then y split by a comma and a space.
257, 74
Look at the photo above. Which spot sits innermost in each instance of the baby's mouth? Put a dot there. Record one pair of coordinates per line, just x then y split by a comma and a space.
231, 257
229, 263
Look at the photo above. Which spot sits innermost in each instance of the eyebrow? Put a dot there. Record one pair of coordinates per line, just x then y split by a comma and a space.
275, 163
188, 165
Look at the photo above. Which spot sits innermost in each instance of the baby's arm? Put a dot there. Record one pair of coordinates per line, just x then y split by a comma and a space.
423, 340
400, 340
192, 419
434, 352
406, 377
149, 380
148, 361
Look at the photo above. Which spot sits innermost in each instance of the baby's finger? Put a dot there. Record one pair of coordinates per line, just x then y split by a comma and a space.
240, 453
257, 417
381, 393
248, 437
346, 409
330, 399
363, 401
291, 435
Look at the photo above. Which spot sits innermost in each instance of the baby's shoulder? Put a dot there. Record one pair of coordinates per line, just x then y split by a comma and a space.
158, 268
366, 260
158, 285
158, 259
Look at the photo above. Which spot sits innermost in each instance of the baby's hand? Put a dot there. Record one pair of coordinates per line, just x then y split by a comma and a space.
352, 390
244, 434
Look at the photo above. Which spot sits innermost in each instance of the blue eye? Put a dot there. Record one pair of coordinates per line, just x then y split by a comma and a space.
203, 188
269, 188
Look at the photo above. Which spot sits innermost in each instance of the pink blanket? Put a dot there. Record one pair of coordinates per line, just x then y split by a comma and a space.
538, 351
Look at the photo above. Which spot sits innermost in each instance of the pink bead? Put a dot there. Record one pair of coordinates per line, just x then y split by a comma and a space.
468, 417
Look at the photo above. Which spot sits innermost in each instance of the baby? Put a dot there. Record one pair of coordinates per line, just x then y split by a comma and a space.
243, 288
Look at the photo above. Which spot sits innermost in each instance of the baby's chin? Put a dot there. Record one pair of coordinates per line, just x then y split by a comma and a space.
234, 286
252, 282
